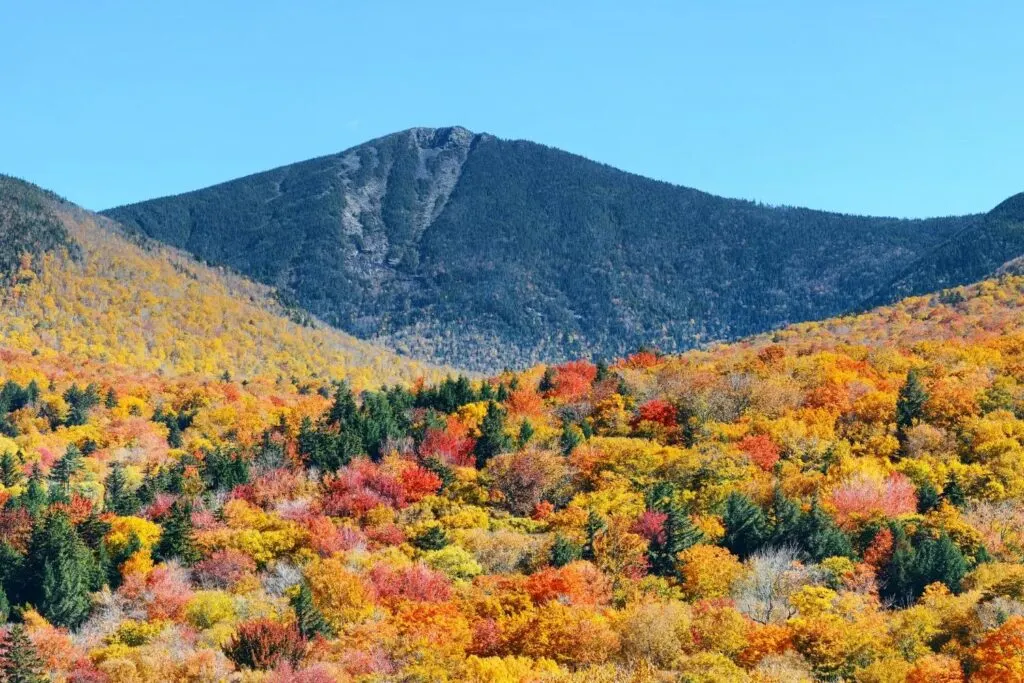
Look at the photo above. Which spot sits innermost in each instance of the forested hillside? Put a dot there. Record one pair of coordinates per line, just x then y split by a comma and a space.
78, 286
833, 501
486, 253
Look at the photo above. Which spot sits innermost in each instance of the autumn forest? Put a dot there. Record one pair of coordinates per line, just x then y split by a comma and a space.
202, 481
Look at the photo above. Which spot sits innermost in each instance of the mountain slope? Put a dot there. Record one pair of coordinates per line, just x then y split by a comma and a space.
486, 252
88, 291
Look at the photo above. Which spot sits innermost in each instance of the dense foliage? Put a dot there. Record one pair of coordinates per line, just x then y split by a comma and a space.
151, 307
836, 501
484, 253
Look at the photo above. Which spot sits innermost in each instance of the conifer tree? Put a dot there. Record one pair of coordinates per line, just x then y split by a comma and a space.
117, 497
176, 539
564, 551
820, 537
745, 525
594, 526
10, 470
308, 618
678, 532
19, 660
493, 439
64, 569
783, 520
34, 497
909, 404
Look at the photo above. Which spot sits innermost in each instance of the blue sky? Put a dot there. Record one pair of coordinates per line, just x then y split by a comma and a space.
893, 108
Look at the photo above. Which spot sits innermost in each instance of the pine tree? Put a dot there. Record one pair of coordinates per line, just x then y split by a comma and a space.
678, 532
525, 433
5, 606
820, 537
564, 551
594, 526
307, 617
111, 400
19, 660
909, 404
547, 381
783, 520
10, 470
572, 436
493, 439
434, 538
176, 539
344, 410
65, 570
117, 498
745, 526
34, 497
66, 467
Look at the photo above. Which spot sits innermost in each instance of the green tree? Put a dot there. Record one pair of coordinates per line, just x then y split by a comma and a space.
117, 497
746, 529
493, 439
820, 537
176, 538
678, 532
10, 470
66, 467
434, 538
564, 551
64, 569
19, 660
307, 617
909, 404
594, 526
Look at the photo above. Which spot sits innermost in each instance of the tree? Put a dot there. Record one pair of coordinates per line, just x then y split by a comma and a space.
10, 470
783, 520
677, 531
64, 569
820, 537
564, 551
594, 526
19, 660
265, 644
434, 538
308, 618
909, 404
493, 439
65, 468
117, 498
176, 540
745, 525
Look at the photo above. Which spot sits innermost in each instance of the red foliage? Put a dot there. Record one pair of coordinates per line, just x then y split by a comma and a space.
524, 402
659, 411
419, 483
862, 497
577, 583
451, 445
327, 538
542, 510
223, 569
418, 583
641, 360
573, 380
265, 644
486, 638
387, 534
16, 527
761, 450
650, 525
877, 554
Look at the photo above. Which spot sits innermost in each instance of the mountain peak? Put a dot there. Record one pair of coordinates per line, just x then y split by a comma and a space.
1012, 208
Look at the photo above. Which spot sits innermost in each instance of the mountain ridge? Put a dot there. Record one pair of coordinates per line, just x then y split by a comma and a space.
461, 247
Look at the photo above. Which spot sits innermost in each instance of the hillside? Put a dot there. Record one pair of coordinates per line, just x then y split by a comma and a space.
837, 500
77, 286
487, 253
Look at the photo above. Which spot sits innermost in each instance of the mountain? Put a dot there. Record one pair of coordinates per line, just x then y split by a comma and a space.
482, 252
76, 284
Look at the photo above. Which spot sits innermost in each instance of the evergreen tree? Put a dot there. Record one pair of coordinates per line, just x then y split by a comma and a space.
594, 526
5, 606
343, 410
547, 381
64, 571
602, 371
678, 532
176, 539
19, 660
954, 492
66, 467
117, 498
820, 537
110, 401
746, 529
34, 497
572, 436
564, 551
378, 423
493, 439
10, 470
525, 433
909, 404
783, 520
308, 618
927, 497
434, 538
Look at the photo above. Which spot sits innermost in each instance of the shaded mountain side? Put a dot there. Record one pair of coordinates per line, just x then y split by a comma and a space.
485, 253
28, 224
981, 249
123, 298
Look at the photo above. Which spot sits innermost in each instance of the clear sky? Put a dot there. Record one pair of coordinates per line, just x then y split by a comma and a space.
873, 106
